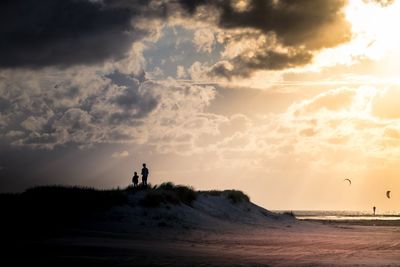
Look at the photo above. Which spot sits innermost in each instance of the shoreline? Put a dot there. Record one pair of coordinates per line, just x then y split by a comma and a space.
376, 222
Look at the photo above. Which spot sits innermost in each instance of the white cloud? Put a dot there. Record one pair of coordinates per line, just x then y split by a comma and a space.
156, 73
82, 107
34, 124
204, 40
87, 108
180, 72
198, 71
121, 154
386, 105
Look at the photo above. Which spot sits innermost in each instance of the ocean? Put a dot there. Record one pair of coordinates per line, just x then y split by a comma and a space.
342, 215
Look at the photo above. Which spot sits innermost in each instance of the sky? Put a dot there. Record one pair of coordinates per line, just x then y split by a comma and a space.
283, 99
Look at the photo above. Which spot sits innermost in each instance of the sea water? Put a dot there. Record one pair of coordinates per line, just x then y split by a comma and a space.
342, 215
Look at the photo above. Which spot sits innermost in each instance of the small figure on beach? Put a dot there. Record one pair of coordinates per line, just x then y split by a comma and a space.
374, 209
145, 174
135, 179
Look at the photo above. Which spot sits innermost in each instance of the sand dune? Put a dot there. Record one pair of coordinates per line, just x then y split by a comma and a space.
213, 231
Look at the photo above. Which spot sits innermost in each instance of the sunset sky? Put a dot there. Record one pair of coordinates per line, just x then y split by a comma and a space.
283, 99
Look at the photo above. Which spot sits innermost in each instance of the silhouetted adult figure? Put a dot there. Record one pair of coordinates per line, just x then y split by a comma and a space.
135, 179
374, 208
145, 174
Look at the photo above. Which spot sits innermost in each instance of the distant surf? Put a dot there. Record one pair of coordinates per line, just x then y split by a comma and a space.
319, 215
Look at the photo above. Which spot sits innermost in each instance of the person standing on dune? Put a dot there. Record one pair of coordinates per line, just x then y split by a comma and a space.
145, 174
135, 179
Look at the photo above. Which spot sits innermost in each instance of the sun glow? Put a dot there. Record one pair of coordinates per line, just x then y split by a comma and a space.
374, 41
374, 24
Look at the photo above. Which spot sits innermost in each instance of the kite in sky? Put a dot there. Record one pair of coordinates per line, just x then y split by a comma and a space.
348, 180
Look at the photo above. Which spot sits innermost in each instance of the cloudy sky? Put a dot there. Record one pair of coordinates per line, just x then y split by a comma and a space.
282, 99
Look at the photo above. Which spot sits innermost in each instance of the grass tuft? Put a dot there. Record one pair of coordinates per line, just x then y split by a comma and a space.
235, 196
169, 193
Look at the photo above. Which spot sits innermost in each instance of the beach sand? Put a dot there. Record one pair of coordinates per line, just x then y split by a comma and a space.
211, 232
300, 244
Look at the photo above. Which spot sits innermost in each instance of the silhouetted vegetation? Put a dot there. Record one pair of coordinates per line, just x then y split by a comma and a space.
48, 209
72, 200
169, 193
140, 187
235, 196
212, 192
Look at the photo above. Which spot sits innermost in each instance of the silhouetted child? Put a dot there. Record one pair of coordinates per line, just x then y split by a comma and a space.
145, 174
135, 179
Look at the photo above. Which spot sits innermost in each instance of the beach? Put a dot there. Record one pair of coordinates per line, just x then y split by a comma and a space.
212, 231
299, 244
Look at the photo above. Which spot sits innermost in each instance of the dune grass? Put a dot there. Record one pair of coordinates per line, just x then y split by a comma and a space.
48, 209
169, 193
70, 203
45, 210
65, 199
64, 202
58, 205
235, 196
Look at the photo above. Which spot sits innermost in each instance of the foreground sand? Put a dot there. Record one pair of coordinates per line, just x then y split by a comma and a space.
299, 244
213, 231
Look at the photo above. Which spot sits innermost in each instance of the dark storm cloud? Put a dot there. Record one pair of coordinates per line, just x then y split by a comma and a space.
134, 102
295, 22
302, 27
66, 32
271, 60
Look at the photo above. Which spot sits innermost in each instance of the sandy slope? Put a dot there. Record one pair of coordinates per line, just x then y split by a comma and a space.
215, 232
208, 213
